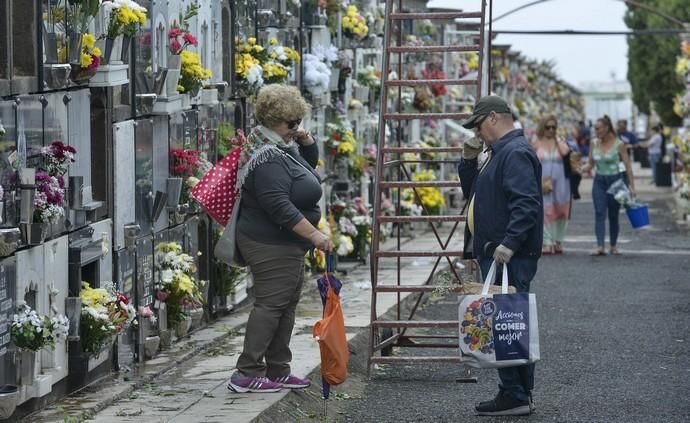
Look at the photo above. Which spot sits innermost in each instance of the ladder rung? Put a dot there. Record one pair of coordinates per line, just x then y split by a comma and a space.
436, 15
416, 324
398, 253
409, 288
428, 219
432, 49
403, 360
412, 184
416, 82
403, 150
413, 116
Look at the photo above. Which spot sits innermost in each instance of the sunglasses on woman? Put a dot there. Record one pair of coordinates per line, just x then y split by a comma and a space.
293, 124
547, 127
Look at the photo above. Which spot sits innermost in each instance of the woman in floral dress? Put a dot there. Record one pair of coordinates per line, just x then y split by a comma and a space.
553, 153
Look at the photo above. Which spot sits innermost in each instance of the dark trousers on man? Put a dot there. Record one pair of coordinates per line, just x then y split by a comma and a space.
519, 380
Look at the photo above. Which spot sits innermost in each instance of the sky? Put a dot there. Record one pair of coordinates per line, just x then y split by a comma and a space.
579, 58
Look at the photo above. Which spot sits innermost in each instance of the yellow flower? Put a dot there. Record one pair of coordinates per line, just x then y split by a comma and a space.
96, 52
86, 60
258, 48
346, 148
88, 40
251, 41
179, 88
273, 41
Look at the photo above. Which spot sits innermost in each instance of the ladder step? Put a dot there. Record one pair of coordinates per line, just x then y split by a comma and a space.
413, 116
432, 49
418, 288
398, 253
413, 184
427, 219
436, 15
403, 360
403, 150
417, 82
416, 324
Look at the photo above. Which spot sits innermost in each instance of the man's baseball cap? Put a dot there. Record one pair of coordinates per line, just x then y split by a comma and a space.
486, 105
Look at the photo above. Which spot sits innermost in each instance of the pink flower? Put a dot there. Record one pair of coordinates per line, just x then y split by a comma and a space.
190, 39
175, 46
95, 62
174, 33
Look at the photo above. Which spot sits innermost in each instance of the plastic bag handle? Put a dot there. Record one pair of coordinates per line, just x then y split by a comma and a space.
491, 276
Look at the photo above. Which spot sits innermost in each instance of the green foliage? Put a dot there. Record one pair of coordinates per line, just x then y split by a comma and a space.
651, 59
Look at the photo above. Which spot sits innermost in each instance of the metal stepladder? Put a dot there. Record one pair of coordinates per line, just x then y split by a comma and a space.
393, 175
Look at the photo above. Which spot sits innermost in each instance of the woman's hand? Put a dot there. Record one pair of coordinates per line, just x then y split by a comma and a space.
321, 241
303, 137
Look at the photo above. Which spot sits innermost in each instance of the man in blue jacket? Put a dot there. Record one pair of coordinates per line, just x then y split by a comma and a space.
505, 220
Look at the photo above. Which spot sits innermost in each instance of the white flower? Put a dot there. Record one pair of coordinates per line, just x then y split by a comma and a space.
166, 276
255, 76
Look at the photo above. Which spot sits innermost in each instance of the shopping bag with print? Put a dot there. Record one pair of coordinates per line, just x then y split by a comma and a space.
498, 330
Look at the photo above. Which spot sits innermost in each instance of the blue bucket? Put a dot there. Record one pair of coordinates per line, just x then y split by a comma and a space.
639, 216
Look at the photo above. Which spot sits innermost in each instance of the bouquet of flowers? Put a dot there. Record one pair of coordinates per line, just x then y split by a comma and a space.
353, 229
105, 313
192, 74
431, 198
57, 157
191, 165
179, 36
178, 288
90, 58
317, 75
257, 65
354, 25
340, 141
49, 201
32, 332
125, 17
433, 72
369, 77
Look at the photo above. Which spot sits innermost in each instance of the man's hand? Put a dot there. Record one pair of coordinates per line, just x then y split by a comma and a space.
471, 148
503, 254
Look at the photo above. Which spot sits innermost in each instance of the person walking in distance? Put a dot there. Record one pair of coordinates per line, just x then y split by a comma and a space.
505, 220
605, 157
553, 153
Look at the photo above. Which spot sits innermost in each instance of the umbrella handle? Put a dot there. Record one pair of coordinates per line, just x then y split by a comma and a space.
329, 261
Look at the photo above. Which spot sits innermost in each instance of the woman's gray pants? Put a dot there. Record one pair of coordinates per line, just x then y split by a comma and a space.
278, 272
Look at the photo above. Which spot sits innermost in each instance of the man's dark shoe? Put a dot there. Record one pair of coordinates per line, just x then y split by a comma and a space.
503, 405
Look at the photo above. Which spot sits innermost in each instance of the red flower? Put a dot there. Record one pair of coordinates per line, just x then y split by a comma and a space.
175, 45
95, 62
174, 32
190, 39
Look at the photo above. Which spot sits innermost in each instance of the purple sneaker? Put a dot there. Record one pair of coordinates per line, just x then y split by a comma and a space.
292, 381
239, 383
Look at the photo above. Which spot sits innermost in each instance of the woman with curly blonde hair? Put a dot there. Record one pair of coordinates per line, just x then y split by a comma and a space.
277, 221
553, 154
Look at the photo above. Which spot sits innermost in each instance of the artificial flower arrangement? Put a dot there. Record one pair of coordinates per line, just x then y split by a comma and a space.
369, 77
125, 17
353, 24
363, 164
105, 313
430, 198
257, 65
191, 165
179, 36
90, 58
192, 74
49, 201
340, 140
432, 71
317, 68
32, 332
178, 289
352, 227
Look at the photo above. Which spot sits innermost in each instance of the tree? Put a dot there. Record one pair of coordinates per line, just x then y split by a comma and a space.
652, 58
